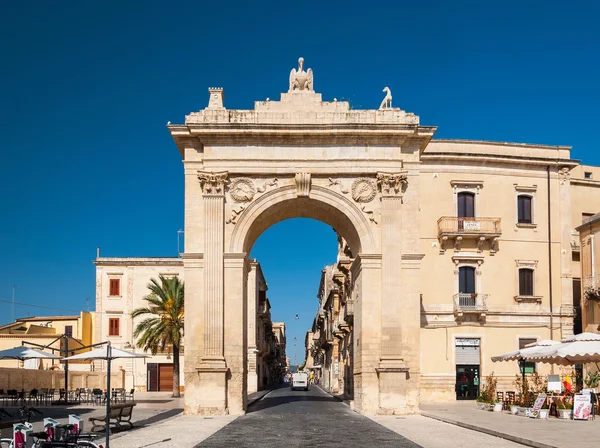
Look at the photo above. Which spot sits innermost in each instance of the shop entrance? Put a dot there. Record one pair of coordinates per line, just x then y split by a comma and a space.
467, 382
467, 368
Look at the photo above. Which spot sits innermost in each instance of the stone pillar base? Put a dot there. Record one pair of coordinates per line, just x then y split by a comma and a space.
397, 393
211, 389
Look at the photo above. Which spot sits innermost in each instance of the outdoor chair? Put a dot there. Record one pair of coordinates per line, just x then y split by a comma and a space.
13, 395
129, 396
43, 395
2, 396
510, 399
33, 396
50, 396
98, 396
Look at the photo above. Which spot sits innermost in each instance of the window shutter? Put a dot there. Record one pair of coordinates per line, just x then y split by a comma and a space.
524, 206
115, 287
117, 322
525, 282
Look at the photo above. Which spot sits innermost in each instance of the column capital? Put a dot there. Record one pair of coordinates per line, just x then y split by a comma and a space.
392, 184
213, 183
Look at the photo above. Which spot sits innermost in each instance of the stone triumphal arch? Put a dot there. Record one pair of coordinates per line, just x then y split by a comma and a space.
356, 170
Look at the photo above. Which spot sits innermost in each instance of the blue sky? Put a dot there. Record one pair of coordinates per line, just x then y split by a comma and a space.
86, 89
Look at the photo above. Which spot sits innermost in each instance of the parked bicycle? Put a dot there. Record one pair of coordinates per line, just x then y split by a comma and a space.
59, 436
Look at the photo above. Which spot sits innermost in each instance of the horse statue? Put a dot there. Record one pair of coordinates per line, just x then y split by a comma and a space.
387, 101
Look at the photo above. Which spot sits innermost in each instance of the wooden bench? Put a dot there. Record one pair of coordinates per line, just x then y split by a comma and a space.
119, 414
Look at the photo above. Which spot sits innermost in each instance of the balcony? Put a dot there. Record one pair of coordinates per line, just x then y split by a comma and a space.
591, 287
263, 309
467, 303
480, 229
349, 311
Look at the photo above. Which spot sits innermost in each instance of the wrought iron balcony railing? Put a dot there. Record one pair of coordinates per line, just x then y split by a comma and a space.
470, 303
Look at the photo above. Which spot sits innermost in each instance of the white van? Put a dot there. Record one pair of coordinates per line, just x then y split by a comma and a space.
299, 381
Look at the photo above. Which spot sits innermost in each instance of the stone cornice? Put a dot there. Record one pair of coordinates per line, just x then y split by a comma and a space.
497, 143
138, 261
506, 159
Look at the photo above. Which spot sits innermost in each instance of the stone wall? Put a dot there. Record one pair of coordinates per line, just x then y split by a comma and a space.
29, 379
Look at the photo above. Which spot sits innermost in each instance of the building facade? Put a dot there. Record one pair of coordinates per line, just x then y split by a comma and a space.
122, 285
589, 233
457, 250
46, 331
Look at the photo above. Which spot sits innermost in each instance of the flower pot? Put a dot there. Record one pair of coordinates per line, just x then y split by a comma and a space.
498, 407
480, 405
514, 409
543, 413
522, 411
565, 413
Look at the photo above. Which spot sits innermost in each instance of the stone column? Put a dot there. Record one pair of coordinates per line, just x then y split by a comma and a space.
565, 295
252, 292
366, 291
212, 370
392, 368
236, 330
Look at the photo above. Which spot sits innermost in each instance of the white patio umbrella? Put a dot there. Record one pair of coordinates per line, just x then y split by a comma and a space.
107, 353
22, 353
580, 349
524, 353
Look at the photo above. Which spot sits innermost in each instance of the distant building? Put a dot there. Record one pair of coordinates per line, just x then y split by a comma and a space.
589, 235
45, 330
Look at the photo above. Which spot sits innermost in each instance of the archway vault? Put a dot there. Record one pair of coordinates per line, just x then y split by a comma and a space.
322, 204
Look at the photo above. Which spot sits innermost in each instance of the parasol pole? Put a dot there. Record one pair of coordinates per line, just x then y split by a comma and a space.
108, 356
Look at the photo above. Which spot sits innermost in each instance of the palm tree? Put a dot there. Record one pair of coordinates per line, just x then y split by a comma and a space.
164, 324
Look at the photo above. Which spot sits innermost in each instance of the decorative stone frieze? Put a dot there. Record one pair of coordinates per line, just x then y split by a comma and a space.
302, 184
392, 183
235, 214
267, 184
242, 189
370, 214
363, 189
334, 182
212, 183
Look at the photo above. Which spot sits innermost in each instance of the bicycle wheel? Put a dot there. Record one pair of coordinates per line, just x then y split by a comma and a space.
5, 443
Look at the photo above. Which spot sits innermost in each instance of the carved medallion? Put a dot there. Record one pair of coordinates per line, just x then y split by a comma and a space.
363, 189
242, 190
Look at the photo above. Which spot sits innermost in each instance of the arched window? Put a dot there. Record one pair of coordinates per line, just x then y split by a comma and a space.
526, 282
466, 280
524, 209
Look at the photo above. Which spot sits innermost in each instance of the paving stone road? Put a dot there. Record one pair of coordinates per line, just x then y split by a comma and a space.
304, 419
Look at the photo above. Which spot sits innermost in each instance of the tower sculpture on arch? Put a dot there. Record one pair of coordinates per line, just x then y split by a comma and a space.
356, 170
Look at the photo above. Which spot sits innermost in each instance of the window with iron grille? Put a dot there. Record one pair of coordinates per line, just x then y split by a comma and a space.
529, 367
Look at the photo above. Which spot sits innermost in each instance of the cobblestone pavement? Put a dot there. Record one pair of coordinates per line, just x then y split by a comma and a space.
304, 419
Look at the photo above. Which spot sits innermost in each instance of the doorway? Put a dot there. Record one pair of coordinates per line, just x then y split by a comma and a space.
467, 382
160, 377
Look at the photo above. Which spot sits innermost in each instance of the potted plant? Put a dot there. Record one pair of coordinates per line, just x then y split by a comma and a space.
544, 411
497, 406
565, 409
522, 385
592, 379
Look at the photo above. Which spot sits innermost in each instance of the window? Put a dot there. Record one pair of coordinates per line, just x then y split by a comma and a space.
69, 330
113, 326
529, 367
466, 280
526, 282
466, 205
587, 174
115, 287
524, 209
